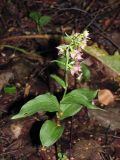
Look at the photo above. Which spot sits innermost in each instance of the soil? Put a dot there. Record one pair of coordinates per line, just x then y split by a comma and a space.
90, 135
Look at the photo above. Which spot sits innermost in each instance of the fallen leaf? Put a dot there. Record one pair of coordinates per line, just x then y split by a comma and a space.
105, 97
27, 90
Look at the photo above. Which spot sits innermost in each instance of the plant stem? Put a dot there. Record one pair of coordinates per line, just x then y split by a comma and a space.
39, 29
66, 71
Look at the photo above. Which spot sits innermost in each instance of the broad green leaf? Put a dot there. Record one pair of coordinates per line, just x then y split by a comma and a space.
58, 80
111, 61
44, 20
10, 90
69, 110
80, 96
50, 133
85, 92
35, 16
46, 102
85, 72
89, 93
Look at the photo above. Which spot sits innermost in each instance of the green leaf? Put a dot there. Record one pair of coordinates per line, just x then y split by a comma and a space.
89, 93
35, 16
85, 92
44, 20
58, 80
85, 72
111, 61
46, 102
69, 110
10, 90
61, 62
50, 133
82, 96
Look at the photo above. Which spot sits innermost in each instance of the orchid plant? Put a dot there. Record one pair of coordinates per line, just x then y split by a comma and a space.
71, 60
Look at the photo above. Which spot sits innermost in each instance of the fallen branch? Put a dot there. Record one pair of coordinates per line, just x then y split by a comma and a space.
36, 36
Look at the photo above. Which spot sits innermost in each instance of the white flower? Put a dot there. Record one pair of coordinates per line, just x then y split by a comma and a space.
86, 34
62, 48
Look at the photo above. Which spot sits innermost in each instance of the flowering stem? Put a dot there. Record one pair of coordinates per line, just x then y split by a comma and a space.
73, 56
66, 71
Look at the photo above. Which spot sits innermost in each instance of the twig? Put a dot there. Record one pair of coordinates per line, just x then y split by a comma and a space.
74, 8
27, 54
90, 5
92, 21
36, 36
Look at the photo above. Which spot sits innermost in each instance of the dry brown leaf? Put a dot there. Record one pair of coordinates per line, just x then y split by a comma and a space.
27, 90
105, 97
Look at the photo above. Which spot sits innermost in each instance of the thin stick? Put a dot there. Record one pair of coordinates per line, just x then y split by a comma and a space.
36, 36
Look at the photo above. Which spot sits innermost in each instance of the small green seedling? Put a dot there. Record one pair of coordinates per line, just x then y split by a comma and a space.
10, 90
62, 156
39, 19
71, 103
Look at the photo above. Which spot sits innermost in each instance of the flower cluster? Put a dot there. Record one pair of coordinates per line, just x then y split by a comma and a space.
76, 58
75, 51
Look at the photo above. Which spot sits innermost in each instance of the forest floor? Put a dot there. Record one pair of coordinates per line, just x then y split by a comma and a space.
25, 63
